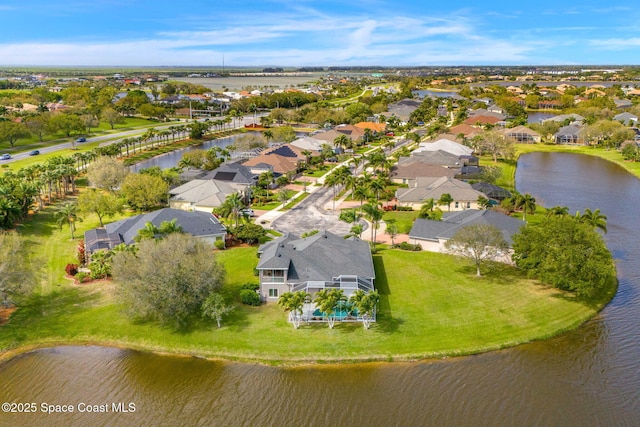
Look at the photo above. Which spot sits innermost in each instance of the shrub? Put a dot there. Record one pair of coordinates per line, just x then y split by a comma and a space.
81, 276
404, 208
71, 269
250, 286
219, 244
249, 233
249, 297
408, 247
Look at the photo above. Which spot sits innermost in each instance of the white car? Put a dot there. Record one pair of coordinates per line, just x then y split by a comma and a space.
247, 212
5, 157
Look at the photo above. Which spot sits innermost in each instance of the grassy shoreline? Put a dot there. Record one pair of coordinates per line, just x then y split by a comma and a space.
431, 307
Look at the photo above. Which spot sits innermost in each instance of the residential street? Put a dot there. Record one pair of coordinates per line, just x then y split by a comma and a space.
311, 214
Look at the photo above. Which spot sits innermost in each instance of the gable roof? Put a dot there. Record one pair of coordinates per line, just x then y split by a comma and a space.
570, 130
625, 117
445, 145
319, 257
415, 169
425, 188
232, 172
465, 129
427, 229
309, 143
205, 192
563, 117
375, 127
198, 224
283, 158
438, 157
484, 119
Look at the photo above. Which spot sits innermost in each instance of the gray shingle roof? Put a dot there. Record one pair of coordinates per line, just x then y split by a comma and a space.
198, 224
451, 222
317, 258
427, 187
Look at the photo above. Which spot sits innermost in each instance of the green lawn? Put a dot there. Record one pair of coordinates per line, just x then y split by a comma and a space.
403, 219
430, 306
33, 142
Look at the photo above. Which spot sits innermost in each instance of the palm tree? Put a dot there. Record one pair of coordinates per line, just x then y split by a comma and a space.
595, 219
557, 211
232, 207
327, 301
294, 302
68, 215
342, 141
366, 304
527, 203
307, 156
374, 215
150, 231
446, 199
377, 185
169, 227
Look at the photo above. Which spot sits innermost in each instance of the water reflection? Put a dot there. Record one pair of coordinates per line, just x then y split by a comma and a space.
589, 376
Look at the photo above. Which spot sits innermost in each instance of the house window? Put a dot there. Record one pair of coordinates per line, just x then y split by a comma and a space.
468, 205
457, 205
273, 293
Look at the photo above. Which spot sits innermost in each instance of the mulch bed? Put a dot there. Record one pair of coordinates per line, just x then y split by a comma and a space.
5, 314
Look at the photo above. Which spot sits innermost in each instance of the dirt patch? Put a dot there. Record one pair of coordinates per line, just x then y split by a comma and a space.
5, 314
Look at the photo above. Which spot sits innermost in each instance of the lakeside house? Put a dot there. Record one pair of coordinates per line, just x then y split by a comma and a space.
285, 159
432, 235
320, 261
201, 225
206, 190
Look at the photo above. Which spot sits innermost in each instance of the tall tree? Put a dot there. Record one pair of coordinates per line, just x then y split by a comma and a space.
144, 191
293, 303
446, 200
594, 219
479, 243
566, 253
327, 301
12, 132
17, 274
107, 173
68, 215
366, 304
168, 280
102, 204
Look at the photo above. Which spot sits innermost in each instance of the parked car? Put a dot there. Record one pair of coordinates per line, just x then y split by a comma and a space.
5, 157
81, 139
247, 212
34, 153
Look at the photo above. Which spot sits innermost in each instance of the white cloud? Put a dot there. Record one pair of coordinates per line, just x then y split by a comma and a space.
305, 36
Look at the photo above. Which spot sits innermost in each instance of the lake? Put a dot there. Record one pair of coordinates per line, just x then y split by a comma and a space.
586, 377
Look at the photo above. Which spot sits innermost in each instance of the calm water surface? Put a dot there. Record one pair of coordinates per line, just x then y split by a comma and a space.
587, 377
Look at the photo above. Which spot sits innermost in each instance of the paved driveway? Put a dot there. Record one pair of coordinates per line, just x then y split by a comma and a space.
310, 214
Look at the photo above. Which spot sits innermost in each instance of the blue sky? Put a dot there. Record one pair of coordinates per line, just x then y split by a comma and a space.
320, 33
